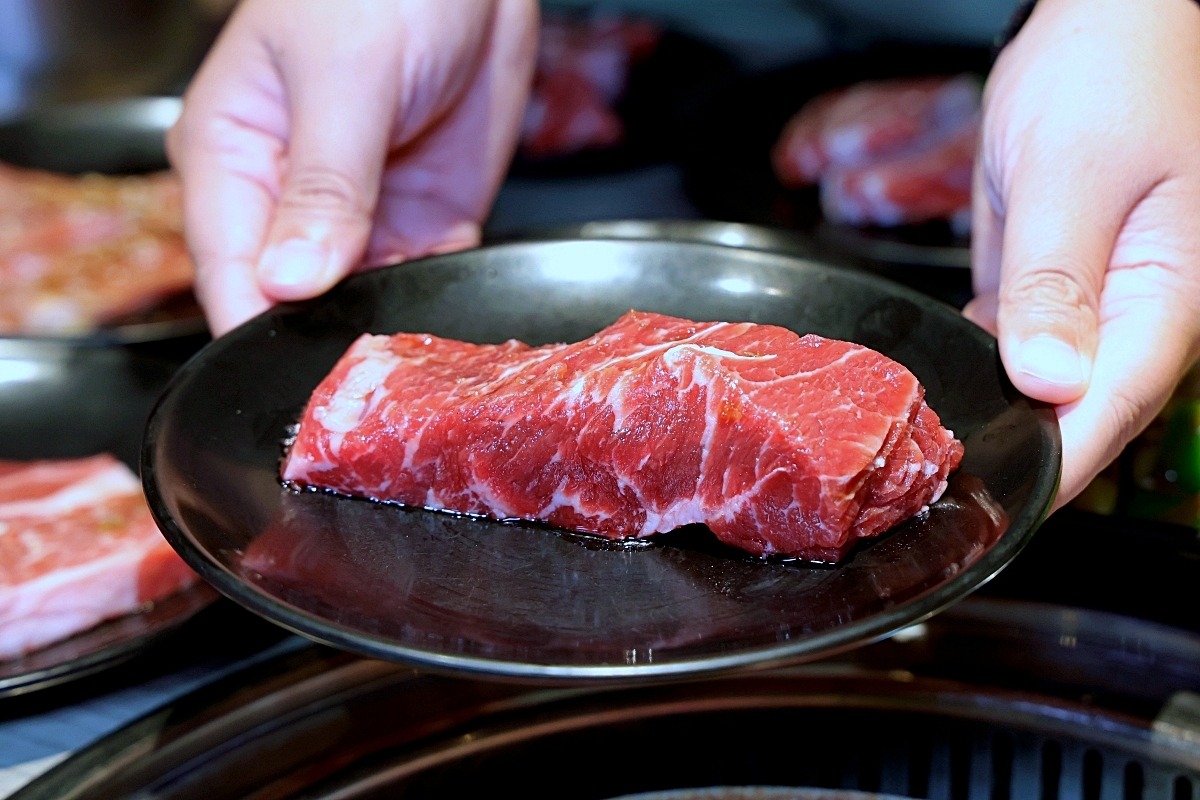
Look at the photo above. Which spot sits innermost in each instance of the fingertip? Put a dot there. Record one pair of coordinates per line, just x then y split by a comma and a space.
297, 269
1048, 369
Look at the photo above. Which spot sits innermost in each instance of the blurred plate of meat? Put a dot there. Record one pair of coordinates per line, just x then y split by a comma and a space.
611, 93
91, 240
79, 548
907, 125
525, 600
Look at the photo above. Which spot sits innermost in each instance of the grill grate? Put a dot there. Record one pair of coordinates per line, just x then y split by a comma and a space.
972, 762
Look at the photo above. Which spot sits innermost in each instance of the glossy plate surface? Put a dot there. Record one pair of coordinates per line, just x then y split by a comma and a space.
527, 601
59, 400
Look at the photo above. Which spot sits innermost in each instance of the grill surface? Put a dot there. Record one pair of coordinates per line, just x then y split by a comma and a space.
929, 714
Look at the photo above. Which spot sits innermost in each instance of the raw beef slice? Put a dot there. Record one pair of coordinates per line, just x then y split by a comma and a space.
781, 444
934, 183
582, 71
77, 546
869, 122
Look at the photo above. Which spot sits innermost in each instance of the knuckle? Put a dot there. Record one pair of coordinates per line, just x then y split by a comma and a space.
1053, 290
323, 190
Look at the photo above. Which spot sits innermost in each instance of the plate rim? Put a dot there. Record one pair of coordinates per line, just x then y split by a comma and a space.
116, 653
808, 648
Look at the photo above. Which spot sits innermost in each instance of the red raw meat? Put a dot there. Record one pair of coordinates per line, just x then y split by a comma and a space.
786, 444
934, 183
77, 546
869, 122
582, 70
565, 115
78, 252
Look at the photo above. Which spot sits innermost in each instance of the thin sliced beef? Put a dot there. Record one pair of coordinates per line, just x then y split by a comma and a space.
784, 444
77, 546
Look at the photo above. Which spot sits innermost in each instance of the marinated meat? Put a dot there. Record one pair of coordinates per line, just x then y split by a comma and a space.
781, 444
870, 122
582, 70
934, 183
77, 546
76, 252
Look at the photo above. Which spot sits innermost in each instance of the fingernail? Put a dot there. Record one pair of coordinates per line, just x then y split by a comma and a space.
1051, 360
293, 262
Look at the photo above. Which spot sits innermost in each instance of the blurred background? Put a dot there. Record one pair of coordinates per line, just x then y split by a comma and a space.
56, 50
65, 51
648, 119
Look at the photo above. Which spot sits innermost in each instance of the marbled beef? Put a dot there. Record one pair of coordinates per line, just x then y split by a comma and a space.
780, 443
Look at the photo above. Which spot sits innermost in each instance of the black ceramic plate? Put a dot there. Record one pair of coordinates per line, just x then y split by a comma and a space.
728, 160
107, 645
64, 401
115, 137
522, 600
953, 287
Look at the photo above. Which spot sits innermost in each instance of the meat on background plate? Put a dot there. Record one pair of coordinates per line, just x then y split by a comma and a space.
77, 546
781, 444
928, 184
885, 152
582, 71
76, 252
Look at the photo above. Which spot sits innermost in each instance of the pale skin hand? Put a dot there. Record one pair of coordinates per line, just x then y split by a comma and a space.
321, 136
1087, 216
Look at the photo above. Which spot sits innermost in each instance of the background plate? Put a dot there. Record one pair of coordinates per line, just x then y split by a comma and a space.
661, 98
59, 400
729, 173
114, 137
527, 601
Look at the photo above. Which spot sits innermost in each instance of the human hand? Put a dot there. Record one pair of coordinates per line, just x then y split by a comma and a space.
1087, 216
322, 136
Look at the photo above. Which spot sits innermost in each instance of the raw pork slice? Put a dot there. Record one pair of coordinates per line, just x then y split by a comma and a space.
781, 444
77, 252
868, 122
930, 184
77, 546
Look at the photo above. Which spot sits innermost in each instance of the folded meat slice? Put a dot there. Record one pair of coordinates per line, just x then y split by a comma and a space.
870, 122
934, 183
781, 444
77, 546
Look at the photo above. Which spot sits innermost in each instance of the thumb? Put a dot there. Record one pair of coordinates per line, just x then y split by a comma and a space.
1059, 231
337, 145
